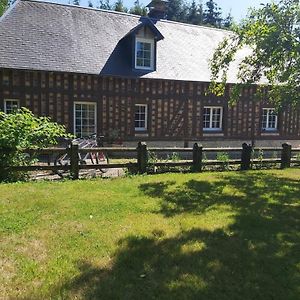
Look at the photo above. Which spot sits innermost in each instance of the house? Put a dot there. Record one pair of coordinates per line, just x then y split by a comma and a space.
101, 71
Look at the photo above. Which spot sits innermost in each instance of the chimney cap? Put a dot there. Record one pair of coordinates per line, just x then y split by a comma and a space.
153, 3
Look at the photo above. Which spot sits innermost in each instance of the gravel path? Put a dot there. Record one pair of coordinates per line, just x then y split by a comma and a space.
111, 173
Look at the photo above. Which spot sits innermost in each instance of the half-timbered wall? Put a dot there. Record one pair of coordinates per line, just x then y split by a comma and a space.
175, 108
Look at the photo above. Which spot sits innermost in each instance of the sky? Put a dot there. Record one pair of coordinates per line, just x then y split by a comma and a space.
238, 8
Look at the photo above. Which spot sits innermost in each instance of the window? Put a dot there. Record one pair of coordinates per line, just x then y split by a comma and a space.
11, 105
144, 54
212, 118
84, 119
140, 117
269, 120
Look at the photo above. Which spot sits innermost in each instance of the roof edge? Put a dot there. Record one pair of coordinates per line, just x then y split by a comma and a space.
80, 7
125, 14
111, 75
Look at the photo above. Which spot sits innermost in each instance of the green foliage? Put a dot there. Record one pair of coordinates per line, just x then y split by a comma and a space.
260, 155
223, 158
204, 161
177, 10
105, 4
138, 9
119, 6
297, 158
22, 130
195, 13
212, 14
271, 35
3, 6
227, 22
174, 157
152, 160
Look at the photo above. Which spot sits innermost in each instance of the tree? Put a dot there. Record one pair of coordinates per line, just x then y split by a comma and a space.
271, 35
90, 3
195, 14
177, 11
212, 14
3, 6
119, 6
138, 9
105, 4
76, 2
228, 21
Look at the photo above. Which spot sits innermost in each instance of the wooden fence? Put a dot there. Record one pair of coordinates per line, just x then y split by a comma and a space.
142, 163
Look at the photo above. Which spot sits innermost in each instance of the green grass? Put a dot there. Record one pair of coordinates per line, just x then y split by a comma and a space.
172, 236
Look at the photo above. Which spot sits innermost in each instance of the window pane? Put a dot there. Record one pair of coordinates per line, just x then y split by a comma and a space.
139, 62
143, 54
11, 106
269, 119
212, 118
146, 55
139, 54
140, 116
85, 121
206, 117
147, 46
147, 63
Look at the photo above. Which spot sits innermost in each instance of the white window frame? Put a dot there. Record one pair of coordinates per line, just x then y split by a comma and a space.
74, 114
7, 100
211, 119
146, 117
267, 128
151, 42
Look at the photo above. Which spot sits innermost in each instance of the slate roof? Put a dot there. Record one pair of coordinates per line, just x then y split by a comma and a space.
37, 35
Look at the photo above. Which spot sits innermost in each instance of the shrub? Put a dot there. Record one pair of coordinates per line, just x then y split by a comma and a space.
223, 158
152, 160
22, 130
260, 157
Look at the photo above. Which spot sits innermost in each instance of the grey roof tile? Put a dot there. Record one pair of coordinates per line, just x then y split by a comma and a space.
54, 37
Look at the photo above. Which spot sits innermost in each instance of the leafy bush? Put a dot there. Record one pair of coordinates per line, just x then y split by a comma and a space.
297, 158
174, 157
22, 130
223, 158
152, 160
260, 155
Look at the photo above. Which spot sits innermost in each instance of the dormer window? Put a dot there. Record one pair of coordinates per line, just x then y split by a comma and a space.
143, 40
144, 54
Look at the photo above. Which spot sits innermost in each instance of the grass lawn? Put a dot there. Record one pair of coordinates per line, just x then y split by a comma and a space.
172, 236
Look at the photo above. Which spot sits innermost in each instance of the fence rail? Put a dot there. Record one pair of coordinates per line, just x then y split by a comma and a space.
197, 163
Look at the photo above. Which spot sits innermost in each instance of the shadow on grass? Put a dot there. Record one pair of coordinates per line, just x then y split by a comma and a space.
255, 257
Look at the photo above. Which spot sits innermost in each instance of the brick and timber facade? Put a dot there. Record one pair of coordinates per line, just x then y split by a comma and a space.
166, 98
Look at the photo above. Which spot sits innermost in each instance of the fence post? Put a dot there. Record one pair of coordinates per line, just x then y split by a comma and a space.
74, 160
197, 157
286, 154
142, 157
246, 156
